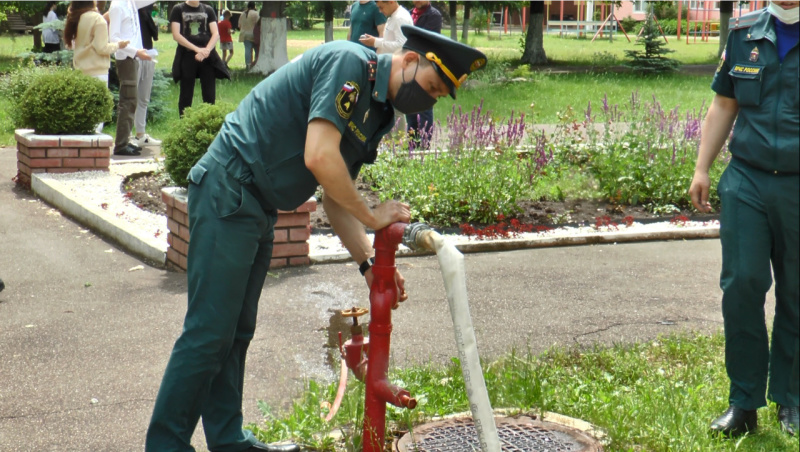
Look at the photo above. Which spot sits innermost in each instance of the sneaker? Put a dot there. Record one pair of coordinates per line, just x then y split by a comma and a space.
144, 140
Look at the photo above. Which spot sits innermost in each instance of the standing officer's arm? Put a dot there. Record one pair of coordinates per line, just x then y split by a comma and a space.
716, 128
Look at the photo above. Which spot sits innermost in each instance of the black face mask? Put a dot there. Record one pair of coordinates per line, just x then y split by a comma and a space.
411, 97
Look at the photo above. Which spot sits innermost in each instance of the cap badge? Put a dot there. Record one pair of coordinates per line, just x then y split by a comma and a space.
477, 64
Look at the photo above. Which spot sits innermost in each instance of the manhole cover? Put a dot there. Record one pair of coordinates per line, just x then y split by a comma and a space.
518, 434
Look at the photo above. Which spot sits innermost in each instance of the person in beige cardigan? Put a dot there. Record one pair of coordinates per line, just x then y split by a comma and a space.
86, 32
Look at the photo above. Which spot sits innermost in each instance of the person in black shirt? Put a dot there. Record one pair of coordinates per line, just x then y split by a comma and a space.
194, 27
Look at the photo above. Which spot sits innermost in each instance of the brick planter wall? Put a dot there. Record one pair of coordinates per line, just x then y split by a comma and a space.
60, 153
291, 232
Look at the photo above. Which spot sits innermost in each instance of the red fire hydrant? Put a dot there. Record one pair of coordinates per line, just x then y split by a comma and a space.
382, 298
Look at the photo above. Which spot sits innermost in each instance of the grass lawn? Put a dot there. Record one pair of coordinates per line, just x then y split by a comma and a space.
573, 51
655, 396
541, 99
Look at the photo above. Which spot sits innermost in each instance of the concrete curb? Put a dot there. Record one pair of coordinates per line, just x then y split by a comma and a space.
141, 244
482, 246
101, 221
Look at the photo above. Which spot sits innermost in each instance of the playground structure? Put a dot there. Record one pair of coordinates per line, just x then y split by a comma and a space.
578, 17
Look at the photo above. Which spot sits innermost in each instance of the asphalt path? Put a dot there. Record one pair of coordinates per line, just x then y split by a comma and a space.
85, 336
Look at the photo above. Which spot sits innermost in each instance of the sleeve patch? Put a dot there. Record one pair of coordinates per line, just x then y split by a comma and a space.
346, 99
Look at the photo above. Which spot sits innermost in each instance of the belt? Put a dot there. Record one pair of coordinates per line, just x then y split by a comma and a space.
763, 170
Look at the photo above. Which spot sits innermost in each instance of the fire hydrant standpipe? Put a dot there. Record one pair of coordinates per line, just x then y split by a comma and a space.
383, 298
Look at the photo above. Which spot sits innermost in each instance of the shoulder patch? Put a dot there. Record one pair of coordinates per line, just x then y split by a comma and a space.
346, 99
745, 21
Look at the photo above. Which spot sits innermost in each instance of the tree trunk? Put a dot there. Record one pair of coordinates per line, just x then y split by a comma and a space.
465, 27
534, 40
725, 14
453, 21
328, 21
37, 34
272, 53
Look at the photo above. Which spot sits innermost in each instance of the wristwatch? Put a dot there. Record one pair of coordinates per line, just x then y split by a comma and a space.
366, 265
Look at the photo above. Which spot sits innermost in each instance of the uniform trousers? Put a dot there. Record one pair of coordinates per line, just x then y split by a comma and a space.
759, 226
229, 253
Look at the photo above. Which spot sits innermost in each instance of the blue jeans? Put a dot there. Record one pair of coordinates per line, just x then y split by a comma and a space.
248, 53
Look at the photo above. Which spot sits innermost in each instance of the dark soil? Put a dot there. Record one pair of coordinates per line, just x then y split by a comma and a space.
144, 189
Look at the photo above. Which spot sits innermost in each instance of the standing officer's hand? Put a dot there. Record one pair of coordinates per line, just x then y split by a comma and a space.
390, 212
401, 285
699, 191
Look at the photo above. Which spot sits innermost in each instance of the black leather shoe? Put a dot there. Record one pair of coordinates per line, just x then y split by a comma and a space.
789, 416
261, 447
128, 150
735, 421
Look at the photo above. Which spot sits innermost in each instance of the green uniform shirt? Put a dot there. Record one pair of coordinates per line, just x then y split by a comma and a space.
263, 141
364, 19
767, 130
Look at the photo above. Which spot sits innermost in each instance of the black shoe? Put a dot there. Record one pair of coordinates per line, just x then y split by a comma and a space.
789, 416
2, 286
261, 447
735, 421
128, 150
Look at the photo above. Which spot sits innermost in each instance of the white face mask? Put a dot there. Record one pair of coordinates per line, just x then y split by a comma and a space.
787, 16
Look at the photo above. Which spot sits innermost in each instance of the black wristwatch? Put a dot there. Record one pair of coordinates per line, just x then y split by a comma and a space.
366, 265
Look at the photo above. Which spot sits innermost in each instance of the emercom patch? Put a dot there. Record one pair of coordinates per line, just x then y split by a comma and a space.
346, 99
747, 70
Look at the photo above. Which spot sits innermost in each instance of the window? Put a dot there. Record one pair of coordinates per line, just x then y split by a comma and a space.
701, 5
640, 6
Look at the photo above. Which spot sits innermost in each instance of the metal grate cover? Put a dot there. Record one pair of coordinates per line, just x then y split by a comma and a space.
519, 434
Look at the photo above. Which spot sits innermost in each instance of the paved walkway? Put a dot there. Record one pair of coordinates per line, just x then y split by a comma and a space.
84, 340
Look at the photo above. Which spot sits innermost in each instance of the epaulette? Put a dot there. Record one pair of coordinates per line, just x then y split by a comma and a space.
745, 21
372, 67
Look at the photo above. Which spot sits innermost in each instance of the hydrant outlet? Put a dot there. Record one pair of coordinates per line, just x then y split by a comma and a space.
413, 234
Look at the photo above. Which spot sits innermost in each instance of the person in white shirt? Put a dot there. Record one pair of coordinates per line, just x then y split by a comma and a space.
52, 43
393, 38
123, 25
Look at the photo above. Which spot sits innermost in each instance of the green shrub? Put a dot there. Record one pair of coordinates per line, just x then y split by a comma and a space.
479, 20
64, 102
13, 86
190, 138
629, 24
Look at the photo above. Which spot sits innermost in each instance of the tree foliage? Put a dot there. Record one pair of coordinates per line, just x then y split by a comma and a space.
653, 59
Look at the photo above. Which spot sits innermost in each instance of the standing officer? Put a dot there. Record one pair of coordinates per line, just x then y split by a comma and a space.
315, 121
757, 79
365, 19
